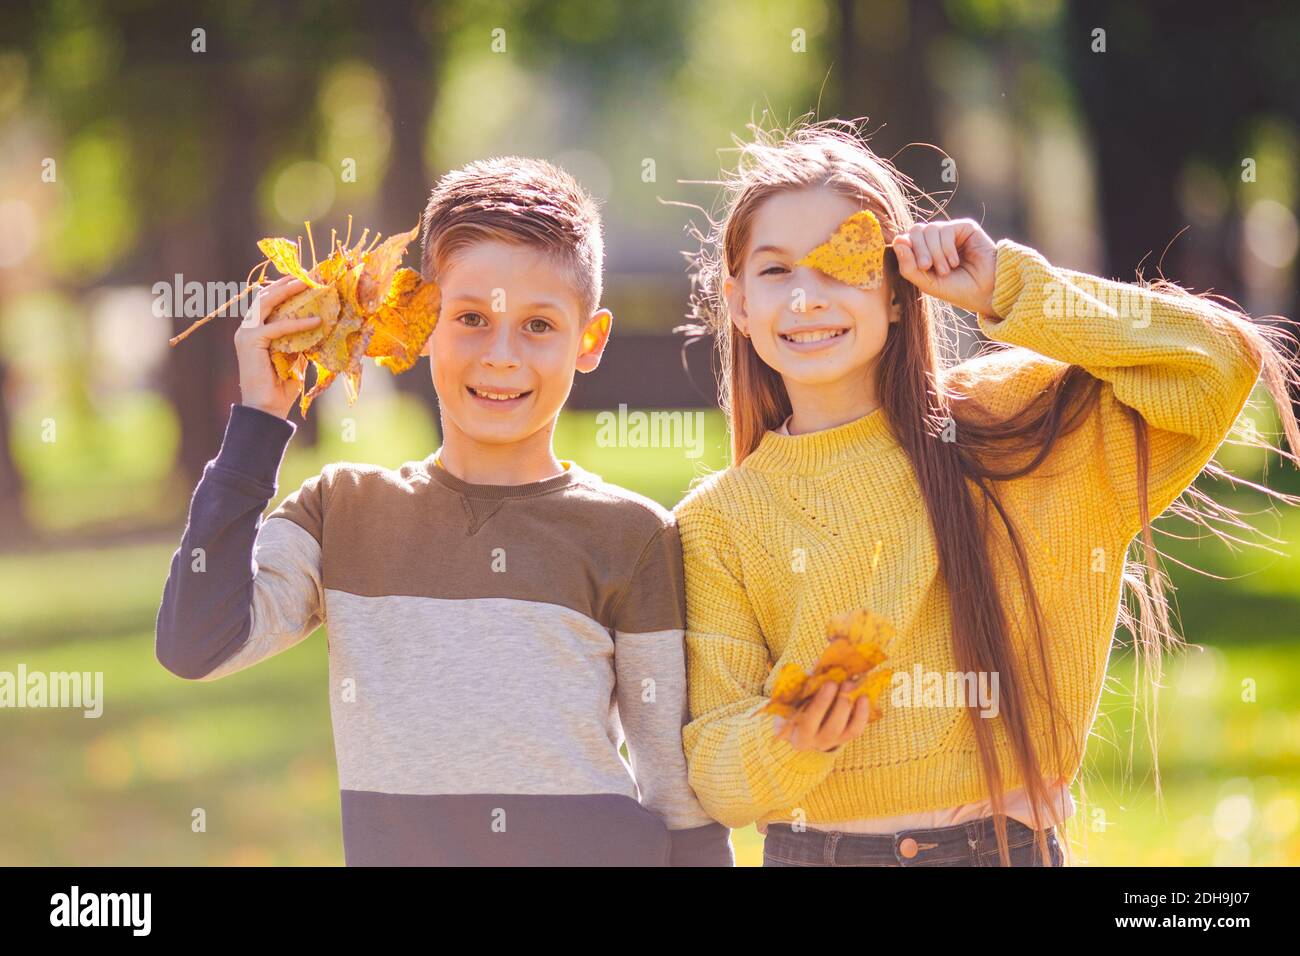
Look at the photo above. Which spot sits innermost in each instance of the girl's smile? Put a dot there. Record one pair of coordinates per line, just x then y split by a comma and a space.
816, 339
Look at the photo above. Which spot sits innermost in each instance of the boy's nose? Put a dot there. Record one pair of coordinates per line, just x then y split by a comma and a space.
501, 352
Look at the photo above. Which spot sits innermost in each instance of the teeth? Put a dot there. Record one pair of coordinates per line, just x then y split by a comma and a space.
497, 396
812, 336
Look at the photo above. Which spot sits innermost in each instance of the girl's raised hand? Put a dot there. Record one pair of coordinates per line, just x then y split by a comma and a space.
954, 261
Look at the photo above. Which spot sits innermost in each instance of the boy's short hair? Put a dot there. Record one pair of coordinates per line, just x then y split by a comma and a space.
520, 200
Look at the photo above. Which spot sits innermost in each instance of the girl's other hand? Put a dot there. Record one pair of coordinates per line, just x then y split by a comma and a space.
954, 261
827, 721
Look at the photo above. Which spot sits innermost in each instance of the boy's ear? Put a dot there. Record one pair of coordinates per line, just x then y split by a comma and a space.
735, 300
594, 338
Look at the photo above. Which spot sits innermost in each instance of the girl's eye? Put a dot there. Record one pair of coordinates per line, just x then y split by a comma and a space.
471, 319
773, 270
538, 325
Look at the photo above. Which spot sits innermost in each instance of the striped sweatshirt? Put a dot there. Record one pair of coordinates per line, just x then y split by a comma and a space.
490, 648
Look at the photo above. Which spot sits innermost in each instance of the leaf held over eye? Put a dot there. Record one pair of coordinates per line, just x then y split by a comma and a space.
855, 254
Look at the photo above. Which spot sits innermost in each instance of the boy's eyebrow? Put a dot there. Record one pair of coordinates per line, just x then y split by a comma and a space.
471, 299
777, 249
543, 304
466, 297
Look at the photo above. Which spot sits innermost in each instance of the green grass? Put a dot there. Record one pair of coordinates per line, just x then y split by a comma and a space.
254, 752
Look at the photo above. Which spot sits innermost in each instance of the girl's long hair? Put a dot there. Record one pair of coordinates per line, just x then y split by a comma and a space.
959, 479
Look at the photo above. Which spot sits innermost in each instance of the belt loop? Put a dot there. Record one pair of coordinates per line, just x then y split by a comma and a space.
973, 835
828, 848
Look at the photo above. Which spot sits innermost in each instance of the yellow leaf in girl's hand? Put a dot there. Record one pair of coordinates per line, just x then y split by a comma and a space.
855, 254
865, 631
787, 691
872, 686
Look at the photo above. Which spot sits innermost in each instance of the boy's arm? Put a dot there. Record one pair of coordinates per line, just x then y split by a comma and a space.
739, 769
650, 674
241, 589
1176, 360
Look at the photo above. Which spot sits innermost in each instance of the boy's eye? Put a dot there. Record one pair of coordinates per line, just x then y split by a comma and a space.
773, 270
538, 325
471, 319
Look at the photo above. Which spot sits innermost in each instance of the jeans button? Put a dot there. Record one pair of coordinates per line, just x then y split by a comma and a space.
907, 847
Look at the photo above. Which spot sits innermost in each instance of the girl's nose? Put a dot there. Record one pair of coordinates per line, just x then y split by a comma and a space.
809, 289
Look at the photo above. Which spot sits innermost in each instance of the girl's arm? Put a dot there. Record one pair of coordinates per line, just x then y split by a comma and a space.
737, 768
1178, 360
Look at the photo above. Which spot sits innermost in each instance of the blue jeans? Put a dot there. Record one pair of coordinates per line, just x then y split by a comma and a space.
966, 844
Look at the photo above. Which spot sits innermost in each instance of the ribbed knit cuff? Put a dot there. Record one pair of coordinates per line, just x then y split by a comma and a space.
1009, 278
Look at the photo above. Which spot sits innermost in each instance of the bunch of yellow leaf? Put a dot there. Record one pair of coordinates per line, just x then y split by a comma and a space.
854, 652
855, 254
367, 305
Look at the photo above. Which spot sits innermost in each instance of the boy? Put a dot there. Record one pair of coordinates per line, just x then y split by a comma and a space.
497, 617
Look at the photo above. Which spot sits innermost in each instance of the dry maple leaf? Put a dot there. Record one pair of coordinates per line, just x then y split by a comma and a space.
368, 306
855, 254
852, 656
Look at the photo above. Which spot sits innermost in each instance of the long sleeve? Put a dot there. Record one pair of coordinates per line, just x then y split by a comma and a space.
1175, 360
241, 589
739, 770
650, 668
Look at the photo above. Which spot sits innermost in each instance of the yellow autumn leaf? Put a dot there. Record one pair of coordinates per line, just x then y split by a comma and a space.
855, 254
851, 657
322, 301
368, 306
404, 322
284, 256
377, 271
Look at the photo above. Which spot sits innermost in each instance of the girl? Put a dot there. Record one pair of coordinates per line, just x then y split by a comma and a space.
1000, 495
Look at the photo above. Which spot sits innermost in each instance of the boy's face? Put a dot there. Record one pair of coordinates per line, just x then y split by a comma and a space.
511, 325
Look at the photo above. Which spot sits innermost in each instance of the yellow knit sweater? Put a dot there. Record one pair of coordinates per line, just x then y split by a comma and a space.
777, 546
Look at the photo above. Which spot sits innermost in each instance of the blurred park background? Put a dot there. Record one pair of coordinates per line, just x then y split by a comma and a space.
137, 153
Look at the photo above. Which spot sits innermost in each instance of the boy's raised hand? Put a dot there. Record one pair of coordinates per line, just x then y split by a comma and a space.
259, 386
827, 720
955, 261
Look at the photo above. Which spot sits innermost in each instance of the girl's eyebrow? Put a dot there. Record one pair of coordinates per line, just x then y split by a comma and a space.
777, 249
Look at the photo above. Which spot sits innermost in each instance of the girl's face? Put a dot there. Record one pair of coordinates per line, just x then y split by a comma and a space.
817, 332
